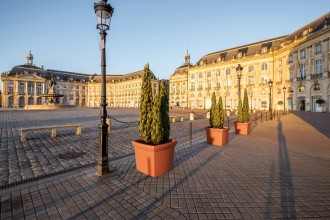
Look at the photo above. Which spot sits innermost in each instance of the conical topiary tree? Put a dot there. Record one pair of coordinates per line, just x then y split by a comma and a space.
239, 112
145, 119
216, 113
213, 109
221, 113
160, 127
245, 109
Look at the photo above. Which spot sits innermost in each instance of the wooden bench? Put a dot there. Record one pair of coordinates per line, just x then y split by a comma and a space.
53, 128
173, 117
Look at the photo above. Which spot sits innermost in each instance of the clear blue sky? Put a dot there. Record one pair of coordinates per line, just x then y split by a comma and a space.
63, 34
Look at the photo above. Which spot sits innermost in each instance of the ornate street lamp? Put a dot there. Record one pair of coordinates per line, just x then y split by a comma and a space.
103, 12
239, 70
284, 89
270, 84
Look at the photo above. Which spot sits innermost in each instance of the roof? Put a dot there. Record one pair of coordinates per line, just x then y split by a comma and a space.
254, 48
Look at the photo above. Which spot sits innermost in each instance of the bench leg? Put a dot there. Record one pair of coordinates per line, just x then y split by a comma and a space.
53, 132
78, 130
173, 120
23, 135
181, 118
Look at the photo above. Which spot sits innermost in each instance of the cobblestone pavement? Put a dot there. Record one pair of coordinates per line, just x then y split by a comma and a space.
280, 170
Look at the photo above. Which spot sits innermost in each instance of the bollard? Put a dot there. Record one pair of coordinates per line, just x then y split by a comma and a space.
192, 116
190, 133
208, 115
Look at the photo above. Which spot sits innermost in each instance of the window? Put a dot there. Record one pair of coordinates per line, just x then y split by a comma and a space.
264, 66
250, 79
318, 67
192, 76
239, 55
209, 74
192, 86
318, 48
264, 79
279, 63
218, 84
303, 54
264, 50
303, 71
200, 75
218, 73
264, 104
208, 84
200, 85
291, 58
251, 68
227, 71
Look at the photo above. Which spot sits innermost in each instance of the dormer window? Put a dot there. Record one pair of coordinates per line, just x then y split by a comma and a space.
282, 44
264, 50
219, 59
202, 63
239, 55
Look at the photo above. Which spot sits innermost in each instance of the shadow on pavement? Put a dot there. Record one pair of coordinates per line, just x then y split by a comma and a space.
320, 121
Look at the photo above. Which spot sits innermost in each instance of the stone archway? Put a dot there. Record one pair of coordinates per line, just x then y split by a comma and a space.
30, 101
21, 102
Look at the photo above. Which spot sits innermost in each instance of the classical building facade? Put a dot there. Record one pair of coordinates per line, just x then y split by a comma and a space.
25, 85
298, 62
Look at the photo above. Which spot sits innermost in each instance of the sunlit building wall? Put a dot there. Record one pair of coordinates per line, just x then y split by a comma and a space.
299, 62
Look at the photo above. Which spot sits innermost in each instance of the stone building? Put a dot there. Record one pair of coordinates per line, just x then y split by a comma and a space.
298, 62
25, 84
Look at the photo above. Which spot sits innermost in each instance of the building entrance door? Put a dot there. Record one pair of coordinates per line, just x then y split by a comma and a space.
302, 105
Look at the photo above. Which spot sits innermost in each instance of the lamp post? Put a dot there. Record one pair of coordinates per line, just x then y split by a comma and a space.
284, 90
103, 12
270, 84
239, 69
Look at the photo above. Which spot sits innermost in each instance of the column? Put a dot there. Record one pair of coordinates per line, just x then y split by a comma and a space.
326, 58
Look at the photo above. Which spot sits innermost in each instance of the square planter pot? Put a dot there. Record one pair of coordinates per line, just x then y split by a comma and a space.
217, 136
242, 128
154, 160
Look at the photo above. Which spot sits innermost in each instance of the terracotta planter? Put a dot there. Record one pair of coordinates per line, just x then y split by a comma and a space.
154, 160
242, 128
217, 136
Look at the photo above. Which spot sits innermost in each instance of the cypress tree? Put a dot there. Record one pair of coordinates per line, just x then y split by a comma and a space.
221, 113
145, 119
160, 129
156, 125
245, 110
164, 109
239, 112
213, 109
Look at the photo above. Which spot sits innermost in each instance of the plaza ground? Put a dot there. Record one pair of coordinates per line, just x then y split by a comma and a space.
280, 170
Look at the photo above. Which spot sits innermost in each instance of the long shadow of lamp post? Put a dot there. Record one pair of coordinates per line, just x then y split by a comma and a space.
270, 83
103, 12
